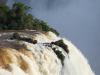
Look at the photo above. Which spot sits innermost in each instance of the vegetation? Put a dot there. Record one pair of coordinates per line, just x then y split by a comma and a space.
17, 36
60, 43
54, 31
59, 55
18, 18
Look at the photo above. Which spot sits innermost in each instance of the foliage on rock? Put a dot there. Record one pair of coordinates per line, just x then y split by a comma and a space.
59, 55
17, 36
60, 43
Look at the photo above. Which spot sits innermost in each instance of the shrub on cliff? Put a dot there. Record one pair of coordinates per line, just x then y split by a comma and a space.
54, 31
17, 36
60, 43
59, 55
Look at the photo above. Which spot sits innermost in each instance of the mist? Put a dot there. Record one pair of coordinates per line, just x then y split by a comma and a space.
76, 20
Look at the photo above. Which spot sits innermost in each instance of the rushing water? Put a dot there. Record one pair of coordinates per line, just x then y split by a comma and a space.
80, 14
38, 59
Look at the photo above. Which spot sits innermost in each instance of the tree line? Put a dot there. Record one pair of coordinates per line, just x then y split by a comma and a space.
18, 18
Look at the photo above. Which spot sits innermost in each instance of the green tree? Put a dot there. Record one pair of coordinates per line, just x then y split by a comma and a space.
36, 26
54, 31
13, 25
45, 27
28, 21
1, 3
20, 10
3, 11
1, 27
18, 19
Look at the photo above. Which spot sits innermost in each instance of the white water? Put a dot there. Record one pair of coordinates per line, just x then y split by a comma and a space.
78, 60
41, 60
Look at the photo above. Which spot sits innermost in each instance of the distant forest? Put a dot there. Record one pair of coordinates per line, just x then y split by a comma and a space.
18, 18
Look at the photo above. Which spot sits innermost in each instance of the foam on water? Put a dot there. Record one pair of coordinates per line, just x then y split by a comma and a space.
78, 60
38, 59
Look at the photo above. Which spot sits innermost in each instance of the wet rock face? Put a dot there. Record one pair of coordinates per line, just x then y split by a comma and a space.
17, 37
7, 34
60, 43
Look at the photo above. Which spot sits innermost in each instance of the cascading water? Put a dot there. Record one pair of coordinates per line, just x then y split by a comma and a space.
30, 59
39, 59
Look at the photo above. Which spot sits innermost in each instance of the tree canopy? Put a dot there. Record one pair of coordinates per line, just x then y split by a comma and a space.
18, 18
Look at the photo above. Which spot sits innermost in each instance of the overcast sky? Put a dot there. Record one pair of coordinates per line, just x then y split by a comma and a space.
76, 20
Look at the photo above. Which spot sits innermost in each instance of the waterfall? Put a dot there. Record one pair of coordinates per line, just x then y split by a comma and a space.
68, 17
23, 58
